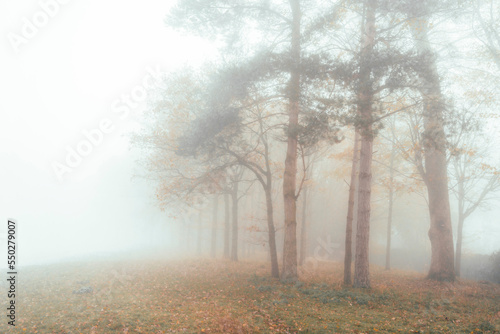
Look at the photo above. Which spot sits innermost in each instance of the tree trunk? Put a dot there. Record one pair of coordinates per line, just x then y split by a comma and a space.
268, 190
460, 227
440, 233
289, 179
303, 230
227, 225
214, 226
389, 217
436, 174
198, 243
187, 235
234, 241
365, 98
362, 263
458, 258
350, 212
271, 233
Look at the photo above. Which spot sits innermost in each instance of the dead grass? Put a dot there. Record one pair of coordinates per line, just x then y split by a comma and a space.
207, 296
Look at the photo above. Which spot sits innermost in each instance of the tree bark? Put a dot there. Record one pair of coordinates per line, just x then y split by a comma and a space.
227, 225
362, 263
436, 174
365, 101
303, 229
350, 212
214, 226
289, 271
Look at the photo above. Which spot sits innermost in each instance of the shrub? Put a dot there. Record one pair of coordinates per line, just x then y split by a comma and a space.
494, 268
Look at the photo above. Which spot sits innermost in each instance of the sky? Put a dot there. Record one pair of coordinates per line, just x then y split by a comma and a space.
74, 73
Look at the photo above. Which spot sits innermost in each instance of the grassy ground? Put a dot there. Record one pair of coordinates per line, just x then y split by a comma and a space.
207, 296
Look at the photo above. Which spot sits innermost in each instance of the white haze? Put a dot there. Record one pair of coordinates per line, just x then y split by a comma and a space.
64, 81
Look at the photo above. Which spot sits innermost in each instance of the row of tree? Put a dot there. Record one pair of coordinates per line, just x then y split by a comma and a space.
293, 78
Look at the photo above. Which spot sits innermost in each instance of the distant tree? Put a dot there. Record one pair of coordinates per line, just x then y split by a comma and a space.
309, 156
235, 176
391, 189
182, 181
227, 226
243, 141
474, 179
215, 208
378, 69
277, 64
486, 21
494, 267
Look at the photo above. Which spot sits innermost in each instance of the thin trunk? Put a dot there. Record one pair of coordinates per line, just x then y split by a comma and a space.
268, 190
234, 241
458, 258
350, 212
436, 174
188, 239
289, 179
365, 97
227, 225
214, 226
185, 223
461, 219
389, 218
198, 243
303, 230
271, 234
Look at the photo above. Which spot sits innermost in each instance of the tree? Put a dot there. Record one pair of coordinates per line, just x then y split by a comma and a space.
290, 174
213, 245
350, 212
181, 180
378, 69
434, 144
487, 14
365, 105
257, 160
227, 226
276, 60
475, 179
394, 184
309, 158
235, 175
389, 214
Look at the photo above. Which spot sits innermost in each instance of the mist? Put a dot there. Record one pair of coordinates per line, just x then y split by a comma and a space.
247, 167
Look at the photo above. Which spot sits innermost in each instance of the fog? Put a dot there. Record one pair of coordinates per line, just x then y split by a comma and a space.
60, 83
162, 133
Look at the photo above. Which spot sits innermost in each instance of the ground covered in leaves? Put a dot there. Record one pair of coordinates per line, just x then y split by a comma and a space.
215, 296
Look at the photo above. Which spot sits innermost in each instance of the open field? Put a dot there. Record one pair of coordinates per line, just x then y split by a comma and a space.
209, 296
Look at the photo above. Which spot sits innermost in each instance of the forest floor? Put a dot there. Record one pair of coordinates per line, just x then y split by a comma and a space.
216, 296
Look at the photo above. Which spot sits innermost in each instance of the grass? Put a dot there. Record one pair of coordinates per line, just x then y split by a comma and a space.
209, 296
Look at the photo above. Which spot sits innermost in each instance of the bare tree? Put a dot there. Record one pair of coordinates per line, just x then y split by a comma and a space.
474, 179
